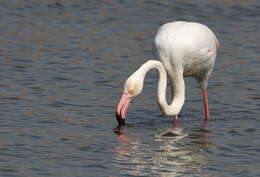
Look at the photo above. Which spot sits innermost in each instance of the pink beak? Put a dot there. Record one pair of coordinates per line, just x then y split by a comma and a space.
122, 108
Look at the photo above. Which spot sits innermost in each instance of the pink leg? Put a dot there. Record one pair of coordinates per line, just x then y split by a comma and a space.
176, 117
175, 120
206, 104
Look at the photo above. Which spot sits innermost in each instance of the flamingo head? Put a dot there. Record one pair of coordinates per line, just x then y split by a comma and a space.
133, 87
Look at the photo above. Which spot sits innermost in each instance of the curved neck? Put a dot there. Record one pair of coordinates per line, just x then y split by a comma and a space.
177, 86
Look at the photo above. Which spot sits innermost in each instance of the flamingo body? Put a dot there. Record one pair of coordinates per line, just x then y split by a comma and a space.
186, 49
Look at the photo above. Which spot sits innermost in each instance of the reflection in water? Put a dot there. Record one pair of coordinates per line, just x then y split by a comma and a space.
172, 153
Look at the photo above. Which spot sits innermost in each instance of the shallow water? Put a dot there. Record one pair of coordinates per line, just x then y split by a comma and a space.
63, 65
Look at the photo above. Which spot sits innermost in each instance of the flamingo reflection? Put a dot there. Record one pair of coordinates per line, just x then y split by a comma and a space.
165, 155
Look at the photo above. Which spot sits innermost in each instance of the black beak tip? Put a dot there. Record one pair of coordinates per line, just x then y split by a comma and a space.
120, 120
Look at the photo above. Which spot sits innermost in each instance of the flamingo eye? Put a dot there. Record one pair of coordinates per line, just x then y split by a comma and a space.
131, 92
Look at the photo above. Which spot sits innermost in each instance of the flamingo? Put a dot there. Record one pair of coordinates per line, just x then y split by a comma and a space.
186, 49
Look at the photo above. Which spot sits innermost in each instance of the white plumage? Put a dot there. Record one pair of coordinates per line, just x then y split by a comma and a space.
185, 49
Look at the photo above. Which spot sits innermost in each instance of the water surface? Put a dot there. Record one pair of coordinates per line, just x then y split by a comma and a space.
63, 65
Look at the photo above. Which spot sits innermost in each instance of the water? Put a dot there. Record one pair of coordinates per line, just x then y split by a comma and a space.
63, 65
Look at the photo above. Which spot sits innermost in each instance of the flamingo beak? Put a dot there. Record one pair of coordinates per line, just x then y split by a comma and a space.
122, 108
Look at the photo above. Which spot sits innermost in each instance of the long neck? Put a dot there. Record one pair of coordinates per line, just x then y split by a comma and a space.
178, 87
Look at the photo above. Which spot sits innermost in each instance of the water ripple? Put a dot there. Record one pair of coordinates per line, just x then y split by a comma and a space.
63, 65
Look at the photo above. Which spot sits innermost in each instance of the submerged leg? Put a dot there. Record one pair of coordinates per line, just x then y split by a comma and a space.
176, 117
206, 104
174, 122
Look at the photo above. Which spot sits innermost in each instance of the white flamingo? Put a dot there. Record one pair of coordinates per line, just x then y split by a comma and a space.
185, 49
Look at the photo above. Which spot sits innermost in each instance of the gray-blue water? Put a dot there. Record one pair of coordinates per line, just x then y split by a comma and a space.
63, 65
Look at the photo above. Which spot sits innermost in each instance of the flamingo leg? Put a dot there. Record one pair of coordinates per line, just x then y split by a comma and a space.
176, 117
206, 104
174, 122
